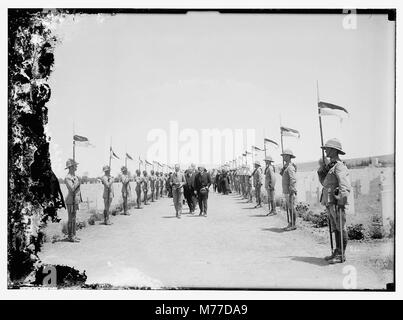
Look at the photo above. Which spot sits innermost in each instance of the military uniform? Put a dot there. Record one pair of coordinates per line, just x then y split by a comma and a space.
257, 183
138, 180
289, 184
126, 190
152, 186
269, 184
157, 185
107, 182
335, 179
72, 200
162, 184
146, 181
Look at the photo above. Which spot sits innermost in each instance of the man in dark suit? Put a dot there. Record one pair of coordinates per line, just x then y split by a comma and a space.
202, 185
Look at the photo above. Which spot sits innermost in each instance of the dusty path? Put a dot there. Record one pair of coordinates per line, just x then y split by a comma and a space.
235, 247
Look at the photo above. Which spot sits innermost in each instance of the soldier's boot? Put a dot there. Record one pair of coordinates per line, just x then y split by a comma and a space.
69, 231
106, 218
337, 257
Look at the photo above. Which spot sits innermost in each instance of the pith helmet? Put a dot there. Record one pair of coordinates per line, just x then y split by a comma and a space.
334, 144
257, 163
123, 168
106, 168
288, 152
70, 163
268, 158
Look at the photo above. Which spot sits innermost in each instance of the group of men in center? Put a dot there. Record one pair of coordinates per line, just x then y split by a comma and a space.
193, 185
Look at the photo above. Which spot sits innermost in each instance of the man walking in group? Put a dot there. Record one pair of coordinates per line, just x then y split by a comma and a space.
202, 185
289, 182
125, 188
257, 183
177, 183
107, 181
72, 200
269, 183
335, 179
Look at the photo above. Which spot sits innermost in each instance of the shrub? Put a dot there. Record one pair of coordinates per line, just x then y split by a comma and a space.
301, 208
356, 231
319, 220
376, 230
65, 276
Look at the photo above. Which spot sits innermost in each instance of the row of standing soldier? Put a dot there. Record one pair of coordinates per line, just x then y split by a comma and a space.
155, 182
333, 175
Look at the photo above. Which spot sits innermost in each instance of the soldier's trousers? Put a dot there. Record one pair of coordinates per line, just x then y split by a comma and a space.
71, 220
249, 193
270, 199
138, 197
124, 197
290, 207
258, 194
177, 194
145, 192
152, 194
336, 213
107, 205
157, 193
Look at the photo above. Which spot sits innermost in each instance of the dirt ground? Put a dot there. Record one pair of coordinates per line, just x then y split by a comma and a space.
236, 246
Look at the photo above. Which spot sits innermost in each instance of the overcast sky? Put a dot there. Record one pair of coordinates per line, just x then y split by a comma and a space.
123, 76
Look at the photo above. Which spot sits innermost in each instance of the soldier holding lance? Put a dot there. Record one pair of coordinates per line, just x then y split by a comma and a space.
335, 179
146, 180
126, 190
107, 181
138, 180
269, 183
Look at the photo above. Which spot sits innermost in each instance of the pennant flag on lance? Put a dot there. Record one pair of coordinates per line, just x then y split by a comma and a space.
149, 163
113, 154
328, 109
256, 148
81, 141
140, 161
289, 132
270, 141
128, 156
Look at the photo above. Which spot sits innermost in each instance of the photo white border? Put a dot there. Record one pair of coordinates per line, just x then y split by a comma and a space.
188, 294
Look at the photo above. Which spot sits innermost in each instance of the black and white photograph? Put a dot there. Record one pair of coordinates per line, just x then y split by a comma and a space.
153, 149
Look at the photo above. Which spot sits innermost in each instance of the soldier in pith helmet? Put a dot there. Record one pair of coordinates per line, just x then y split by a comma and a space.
146, 181
335, 179
270, 183
73, 199
152, 185
138, 180
125, 188
289, 182
107, 181
257, 183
